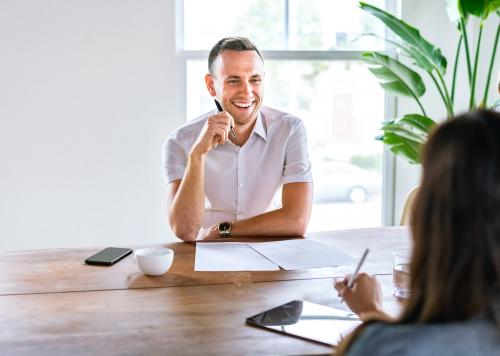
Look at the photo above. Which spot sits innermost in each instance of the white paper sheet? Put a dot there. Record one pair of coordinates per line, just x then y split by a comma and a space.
302, 254
230, 256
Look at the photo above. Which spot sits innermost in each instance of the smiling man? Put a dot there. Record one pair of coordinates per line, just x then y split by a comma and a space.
243, 170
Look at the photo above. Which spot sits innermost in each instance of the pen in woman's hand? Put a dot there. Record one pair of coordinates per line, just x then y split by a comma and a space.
219, 108
350, 283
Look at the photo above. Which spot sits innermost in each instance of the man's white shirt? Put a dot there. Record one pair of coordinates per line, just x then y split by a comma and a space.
241, 182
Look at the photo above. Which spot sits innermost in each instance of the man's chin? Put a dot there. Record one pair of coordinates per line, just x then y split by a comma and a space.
243, 120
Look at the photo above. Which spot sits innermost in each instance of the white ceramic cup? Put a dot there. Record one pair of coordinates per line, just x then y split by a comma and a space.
154, 261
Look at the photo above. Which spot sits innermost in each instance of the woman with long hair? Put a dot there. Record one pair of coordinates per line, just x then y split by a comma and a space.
454, 305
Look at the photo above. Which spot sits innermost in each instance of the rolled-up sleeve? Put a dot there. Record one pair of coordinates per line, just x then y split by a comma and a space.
174, 159
297, 166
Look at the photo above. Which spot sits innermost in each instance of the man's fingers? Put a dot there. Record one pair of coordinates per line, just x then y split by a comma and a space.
221, 130
221, 118
220, 135
220, 126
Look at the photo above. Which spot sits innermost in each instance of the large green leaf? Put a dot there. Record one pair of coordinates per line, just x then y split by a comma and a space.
409, 35
404, 131
418, 58
395, 76
403, 147
478, 8
406, 136
418, 122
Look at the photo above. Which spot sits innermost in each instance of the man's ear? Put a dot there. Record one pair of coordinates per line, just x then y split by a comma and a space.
209, 81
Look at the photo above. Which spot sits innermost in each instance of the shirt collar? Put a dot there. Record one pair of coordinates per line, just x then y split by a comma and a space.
259, 128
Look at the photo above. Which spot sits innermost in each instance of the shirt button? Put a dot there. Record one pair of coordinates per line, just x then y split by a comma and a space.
241, 184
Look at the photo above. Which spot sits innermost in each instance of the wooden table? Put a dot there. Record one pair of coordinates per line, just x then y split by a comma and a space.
52, 303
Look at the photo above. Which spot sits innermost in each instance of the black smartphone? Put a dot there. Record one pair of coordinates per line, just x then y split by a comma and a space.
108, 256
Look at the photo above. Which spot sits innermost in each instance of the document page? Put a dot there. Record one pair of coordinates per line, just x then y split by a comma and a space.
301, 254
230, 256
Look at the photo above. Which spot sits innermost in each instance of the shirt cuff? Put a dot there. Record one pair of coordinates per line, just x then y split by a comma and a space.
302, 178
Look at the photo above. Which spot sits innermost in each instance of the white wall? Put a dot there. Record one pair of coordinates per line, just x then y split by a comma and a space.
87, 95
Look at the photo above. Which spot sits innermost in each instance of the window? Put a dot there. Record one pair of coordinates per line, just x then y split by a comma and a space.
311, 50
303, 25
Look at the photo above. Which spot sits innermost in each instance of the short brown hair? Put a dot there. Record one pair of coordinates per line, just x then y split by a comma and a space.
231, 43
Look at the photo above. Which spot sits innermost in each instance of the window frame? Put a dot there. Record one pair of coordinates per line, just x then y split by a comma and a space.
390, 105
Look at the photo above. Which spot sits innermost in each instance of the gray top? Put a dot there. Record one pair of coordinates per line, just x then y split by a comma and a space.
474, 337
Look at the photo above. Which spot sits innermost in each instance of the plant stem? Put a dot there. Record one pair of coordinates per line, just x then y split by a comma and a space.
449, 105
455, 67
440, 92
474, 74
466, 47
490, 70
421, 107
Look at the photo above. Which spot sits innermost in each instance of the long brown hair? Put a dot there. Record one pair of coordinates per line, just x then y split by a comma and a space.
455, 224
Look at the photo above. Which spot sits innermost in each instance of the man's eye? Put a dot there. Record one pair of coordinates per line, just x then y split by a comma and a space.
232, 81
256, 80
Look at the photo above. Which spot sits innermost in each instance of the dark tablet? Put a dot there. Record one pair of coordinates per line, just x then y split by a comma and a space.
307, 320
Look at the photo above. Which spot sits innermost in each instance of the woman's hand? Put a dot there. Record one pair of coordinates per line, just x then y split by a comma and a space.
364, 298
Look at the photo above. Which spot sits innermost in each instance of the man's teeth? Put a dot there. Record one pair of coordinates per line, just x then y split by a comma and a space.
243, 105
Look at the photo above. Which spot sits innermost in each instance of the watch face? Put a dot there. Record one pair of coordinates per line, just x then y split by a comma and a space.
225, 226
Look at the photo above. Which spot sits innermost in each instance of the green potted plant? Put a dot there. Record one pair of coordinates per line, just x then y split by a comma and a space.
406, 135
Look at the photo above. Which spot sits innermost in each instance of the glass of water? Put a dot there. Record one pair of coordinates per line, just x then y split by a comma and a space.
401, 274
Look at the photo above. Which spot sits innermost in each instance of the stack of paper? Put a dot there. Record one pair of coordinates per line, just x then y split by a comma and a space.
301, 254
230, 256
267, 256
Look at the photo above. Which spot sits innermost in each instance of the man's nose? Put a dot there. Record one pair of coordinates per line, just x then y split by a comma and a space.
246, 88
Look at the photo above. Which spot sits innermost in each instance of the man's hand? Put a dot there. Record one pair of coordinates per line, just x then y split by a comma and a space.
212, 233
364, 298
186, 197
214, 132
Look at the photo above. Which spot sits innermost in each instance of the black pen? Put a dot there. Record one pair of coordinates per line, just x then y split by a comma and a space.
219, 107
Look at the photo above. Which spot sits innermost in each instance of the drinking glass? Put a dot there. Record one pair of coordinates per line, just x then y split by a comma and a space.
401, 274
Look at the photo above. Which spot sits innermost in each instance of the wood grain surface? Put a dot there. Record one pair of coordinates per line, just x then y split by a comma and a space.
51, 303
63, 270
185, 320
